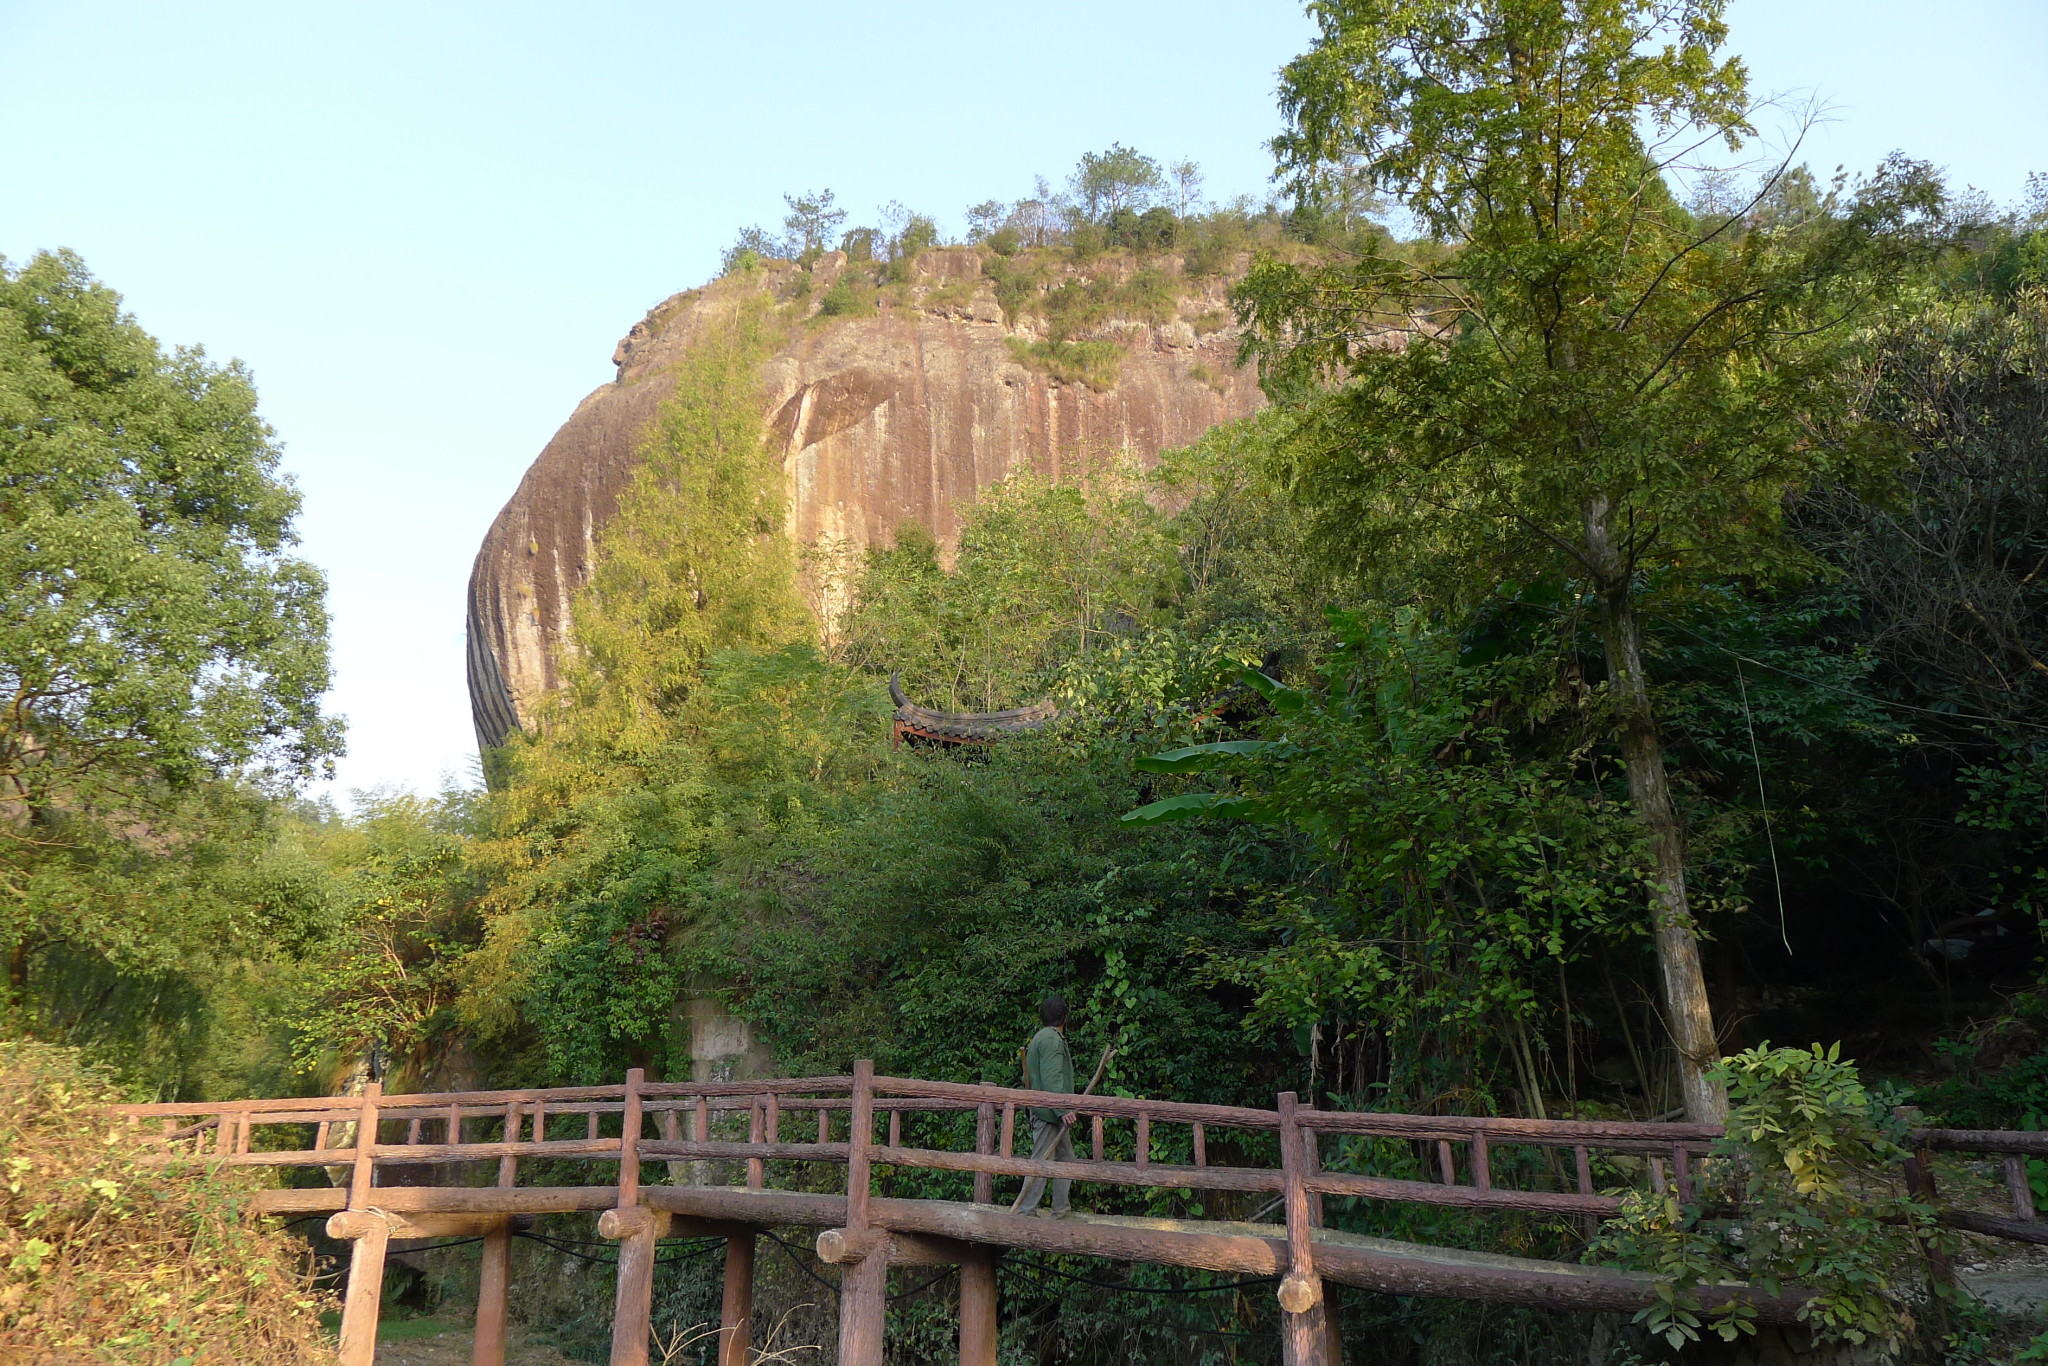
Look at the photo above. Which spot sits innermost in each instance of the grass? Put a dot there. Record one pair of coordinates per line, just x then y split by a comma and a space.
1093, 363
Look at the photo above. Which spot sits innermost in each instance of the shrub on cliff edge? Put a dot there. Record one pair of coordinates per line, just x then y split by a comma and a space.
106, 1257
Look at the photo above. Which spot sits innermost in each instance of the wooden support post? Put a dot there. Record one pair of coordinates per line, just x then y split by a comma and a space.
736, 1318
978, 1310
1447, 1162
1201, 1146
370, 1232
864, 1286
1304, 1325
895, 1128
1584, 1161
2017, 1187
1095, 1134
984, 1141
863, 1309
1009, 1128
491, 1298
1681, 1174
824, 1125
1144, 1141
638, 1230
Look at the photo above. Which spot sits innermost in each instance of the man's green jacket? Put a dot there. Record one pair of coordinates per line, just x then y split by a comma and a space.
1048, 1067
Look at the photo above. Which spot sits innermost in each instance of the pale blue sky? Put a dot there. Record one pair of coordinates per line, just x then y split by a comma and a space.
424, 226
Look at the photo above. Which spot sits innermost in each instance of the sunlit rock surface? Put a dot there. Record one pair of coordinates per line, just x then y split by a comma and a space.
905, 415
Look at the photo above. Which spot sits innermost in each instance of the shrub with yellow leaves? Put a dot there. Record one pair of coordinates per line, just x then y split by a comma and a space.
111, 1250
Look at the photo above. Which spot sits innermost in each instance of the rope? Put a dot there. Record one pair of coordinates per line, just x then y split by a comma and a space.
1041, 1268
801, 1264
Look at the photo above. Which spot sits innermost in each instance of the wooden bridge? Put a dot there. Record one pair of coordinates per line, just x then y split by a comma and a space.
808, 1127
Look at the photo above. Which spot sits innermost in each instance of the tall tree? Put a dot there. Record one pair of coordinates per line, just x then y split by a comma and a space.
1585, 381
156, 635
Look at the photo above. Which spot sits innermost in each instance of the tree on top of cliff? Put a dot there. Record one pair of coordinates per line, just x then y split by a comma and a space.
1608, 392
812, 220
1119, 178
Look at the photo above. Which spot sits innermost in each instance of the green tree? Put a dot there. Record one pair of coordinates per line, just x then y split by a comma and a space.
157, 638
1589, 381
1117, 179
812, 220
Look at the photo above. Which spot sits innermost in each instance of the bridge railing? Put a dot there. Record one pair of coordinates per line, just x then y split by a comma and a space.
805, 1120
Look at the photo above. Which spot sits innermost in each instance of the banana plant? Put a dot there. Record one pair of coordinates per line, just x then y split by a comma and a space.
1202, 758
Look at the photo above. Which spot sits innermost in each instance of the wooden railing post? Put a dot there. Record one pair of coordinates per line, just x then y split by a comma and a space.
863, 1286
631, 1121
984, 1140
366, 1158
1304, 1326
508, 1165
757, 1170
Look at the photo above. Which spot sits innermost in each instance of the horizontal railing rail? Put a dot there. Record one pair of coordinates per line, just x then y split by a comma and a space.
693, 1122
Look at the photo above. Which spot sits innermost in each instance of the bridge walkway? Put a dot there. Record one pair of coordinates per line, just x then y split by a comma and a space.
390, 1181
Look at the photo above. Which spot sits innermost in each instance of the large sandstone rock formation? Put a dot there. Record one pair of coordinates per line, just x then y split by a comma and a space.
903, 415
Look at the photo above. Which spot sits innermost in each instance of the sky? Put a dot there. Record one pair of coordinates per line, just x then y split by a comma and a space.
424, 226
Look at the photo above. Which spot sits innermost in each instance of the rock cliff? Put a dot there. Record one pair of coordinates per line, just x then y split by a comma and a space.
903, 414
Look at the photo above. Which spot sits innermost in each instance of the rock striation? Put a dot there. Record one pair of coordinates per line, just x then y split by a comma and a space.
901, 415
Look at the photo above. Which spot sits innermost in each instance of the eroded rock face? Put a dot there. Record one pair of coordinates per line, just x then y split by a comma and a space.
905, 415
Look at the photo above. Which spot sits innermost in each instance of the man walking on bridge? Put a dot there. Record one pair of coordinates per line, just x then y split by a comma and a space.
1048, 1066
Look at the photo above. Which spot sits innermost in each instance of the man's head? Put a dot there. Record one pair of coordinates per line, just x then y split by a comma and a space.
1053, 1010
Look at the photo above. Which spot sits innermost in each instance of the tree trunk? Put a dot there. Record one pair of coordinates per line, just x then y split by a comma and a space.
1686, 1010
